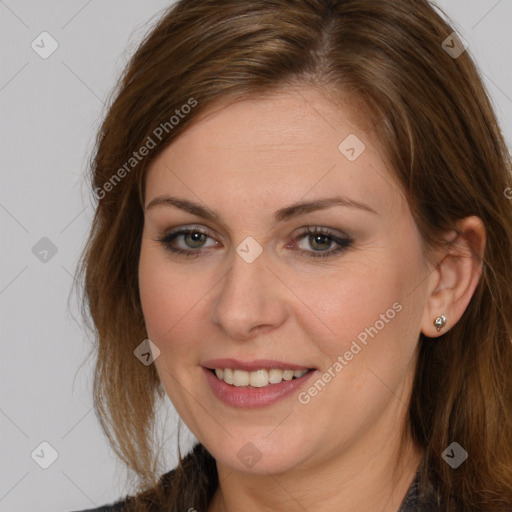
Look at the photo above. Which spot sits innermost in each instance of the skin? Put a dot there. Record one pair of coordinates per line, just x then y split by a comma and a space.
246, 160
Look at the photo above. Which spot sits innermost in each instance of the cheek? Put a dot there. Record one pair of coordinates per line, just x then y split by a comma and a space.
173, 303
163, 299
342, 307
371, 311
170, 303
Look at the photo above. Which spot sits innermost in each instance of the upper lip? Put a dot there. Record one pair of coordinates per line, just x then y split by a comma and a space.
251, 366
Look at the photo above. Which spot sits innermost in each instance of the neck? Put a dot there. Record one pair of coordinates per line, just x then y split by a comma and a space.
374, 477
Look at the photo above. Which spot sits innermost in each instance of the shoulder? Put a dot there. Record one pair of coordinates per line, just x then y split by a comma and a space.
118, 506
126, 504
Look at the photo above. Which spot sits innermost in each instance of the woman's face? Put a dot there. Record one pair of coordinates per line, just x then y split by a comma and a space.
297, 251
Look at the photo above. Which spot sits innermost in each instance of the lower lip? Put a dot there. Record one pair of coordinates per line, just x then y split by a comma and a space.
249, 397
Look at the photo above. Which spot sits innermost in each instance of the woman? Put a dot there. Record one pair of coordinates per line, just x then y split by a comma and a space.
302, 204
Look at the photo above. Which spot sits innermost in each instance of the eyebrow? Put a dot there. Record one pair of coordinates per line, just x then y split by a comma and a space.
289, 212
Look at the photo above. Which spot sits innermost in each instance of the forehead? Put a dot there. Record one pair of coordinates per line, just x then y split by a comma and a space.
278, 148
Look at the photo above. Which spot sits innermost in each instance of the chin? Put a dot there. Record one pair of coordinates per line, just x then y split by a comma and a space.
259, 455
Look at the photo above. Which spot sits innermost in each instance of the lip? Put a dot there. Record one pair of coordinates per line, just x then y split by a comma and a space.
250, 398
252, 366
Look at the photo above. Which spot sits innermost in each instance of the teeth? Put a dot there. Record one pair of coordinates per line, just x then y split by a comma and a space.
228, 376
240, 378
288, 375
258, 378
275, 376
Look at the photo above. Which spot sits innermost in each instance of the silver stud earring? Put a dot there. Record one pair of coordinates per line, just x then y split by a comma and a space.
440, 322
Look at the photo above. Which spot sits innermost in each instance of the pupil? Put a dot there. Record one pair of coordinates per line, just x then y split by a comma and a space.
196, 238
321, 242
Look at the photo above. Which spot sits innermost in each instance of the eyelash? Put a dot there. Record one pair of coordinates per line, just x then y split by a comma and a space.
343, 243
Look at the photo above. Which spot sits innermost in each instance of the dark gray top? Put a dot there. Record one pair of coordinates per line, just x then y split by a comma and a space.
412, 501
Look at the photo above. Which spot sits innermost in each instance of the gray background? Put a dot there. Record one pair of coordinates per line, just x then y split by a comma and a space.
50, 111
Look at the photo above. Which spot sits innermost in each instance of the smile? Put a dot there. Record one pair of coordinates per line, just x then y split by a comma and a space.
258, 378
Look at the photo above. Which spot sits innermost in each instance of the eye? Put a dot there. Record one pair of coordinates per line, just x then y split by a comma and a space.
189, 242
322, 242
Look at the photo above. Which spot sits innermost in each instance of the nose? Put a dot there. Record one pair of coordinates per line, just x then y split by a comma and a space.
251, 299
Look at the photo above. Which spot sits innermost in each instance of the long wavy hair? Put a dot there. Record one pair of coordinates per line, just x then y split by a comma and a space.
436, 124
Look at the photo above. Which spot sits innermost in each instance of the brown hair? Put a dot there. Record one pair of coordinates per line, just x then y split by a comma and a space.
442, 140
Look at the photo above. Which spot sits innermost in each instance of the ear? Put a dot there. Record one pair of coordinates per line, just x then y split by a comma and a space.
456, 276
